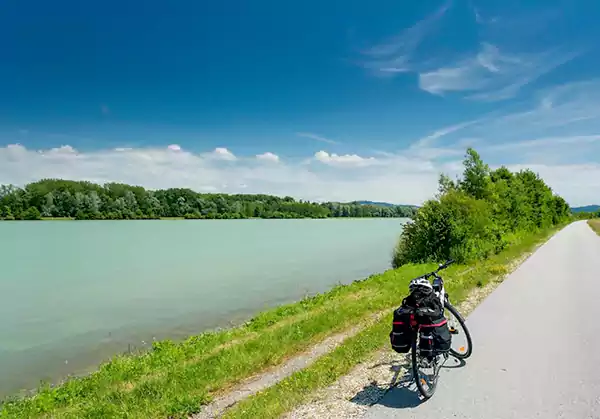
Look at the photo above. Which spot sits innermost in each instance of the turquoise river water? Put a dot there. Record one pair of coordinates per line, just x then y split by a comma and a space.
74, 293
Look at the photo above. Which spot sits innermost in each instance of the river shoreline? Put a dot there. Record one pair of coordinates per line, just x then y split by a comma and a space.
205, 219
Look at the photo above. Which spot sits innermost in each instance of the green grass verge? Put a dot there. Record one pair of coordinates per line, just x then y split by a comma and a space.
176, 379
181, 377
595, 225
297, 388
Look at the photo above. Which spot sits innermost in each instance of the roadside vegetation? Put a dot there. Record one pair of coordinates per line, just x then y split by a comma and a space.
55, 198
477, 220
595, 224
593, 219
479, 214
586, 215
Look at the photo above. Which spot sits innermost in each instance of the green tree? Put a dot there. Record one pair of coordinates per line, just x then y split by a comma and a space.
481, 216
7, 213
32, 213
445, 184
48, 208
475, 176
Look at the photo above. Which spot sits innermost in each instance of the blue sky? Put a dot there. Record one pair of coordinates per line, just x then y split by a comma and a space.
321, 100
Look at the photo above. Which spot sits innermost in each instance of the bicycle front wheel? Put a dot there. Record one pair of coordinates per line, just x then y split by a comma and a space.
462, 344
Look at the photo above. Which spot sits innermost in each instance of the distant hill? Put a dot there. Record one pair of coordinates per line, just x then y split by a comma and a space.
382, 204
587, 208
378, 204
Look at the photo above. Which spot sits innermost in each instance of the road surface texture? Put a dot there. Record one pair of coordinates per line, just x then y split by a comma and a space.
536, 344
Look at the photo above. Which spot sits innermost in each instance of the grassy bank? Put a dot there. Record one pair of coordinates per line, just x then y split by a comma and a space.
176, 379
595, 225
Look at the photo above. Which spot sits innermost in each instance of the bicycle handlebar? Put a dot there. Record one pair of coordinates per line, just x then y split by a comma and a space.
445, 264
441, 267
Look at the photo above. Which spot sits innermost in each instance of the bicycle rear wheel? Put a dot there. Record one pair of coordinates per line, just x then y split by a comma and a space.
426, 382
457, 326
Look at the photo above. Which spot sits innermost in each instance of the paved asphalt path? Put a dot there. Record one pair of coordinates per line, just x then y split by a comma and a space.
536, 344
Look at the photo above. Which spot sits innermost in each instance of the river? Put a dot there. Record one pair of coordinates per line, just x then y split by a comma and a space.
74, 293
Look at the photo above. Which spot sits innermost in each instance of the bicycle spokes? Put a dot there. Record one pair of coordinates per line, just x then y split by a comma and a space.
426, 372
427, 375
459, 343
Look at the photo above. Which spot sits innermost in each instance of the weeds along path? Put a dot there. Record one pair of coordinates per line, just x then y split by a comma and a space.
268, 378
595, 225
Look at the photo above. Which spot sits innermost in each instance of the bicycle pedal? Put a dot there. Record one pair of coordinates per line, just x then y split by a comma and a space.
453, 331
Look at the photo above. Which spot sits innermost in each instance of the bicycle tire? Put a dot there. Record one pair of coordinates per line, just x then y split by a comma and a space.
461, 321
427, 394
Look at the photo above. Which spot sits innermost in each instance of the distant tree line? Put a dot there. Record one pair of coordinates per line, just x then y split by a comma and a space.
81, 200
584, 215
479, 214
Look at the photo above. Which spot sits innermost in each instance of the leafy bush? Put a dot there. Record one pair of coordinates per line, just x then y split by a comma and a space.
32, 213
478, 215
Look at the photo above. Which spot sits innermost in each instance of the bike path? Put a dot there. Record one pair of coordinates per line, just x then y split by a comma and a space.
536, 344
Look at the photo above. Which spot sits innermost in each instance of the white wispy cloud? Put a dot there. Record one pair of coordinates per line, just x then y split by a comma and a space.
545, 128
220, 153
479, 17
268, 156
491, 74
344, 160
497, 68
395, 55
567, 110
547, 142
317, 138
439, 133
556, 133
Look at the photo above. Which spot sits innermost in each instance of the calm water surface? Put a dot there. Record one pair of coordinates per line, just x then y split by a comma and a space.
74, 293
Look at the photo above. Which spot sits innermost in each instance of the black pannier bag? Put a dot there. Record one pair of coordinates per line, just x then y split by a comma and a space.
423, 308
401, 334
435, 337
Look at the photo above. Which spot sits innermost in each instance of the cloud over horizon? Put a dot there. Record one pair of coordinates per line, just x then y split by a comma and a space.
404, 178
